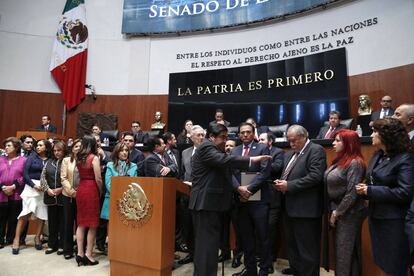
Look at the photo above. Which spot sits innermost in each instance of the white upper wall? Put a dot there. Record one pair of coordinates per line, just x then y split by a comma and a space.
117, 65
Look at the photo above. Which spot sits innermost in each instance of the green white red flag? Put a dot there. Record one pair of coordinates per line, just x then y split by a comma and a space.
70, 51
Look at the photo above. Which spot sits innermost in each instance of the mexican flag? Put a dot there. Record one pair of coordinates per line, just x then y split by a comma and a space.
70, 51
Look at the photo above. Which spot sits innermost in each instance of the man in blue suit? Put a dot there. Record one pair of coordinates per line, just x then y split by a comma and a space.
253, 214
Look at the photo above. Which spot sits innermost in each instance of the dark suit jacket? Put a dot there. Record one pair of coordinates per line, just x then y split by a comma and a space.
152, 165
226, 123
409, 228
141, 137
324, 130
275, 173
390, 186
376, 114
177, 159
137, 157
277, 162
261, 169
212, 189
304, 198
51, 129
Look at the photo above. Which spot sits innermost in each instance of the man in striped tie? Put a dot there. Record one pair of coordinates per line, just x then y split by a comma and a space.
302, 184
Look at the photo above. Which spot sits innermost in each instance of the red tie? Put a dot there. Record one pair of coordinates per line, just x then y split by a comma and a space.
328, 134
246, 151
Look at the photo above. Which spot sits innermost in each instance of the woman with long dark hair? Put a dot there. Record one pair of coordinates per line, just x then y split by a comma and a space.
389, 188
52, 185
347, 210
70, 179
33, 205
87, 198
11, 186
119, 166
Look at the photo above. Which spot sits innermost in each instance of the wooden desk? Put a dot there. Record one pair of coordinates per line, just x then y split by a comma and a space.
39, 135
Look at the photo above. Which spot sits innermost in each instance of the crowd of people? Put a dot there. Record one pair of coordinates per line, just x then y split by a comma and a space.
251, 184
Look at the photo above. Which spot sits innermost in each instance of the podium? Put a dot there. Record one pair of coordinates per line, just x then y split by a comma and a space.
146, 250
38, 135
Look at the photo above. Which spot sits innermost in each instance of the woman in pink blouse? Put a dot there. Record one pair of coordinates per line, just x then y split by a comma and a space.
11, 186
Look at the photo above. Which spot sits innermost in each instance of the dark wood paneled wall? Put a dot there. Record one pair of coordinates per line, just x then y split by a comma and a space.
23, 110
398, 82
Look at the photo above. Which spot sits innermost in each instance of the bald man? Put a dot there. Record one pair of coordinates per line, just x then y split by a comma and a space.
405, 113
385, 111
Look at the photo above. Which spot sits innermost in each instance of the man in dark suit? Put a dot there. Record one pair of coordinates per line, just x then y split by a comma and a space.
135, 155
139, 135
27, 145
219, 119
46, 126
334, 124
405, 113
275, 212
157, 163
253, 214
386, 110
211, 196
302, 184
171, 149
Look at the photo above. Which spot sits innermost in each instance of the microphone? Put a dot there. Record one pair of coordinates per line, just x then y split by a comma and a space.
92, 89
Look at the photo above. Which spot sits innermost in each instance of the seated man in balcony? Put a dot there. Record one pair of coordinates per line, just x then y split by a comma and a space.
334, 124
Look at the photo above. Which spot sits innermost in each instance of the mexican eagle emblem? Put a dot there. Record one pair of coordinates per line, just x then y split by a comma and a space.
72, 33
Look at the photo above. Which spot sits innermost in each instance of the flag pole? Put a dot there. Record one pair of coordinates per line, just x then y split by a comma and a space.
64, 120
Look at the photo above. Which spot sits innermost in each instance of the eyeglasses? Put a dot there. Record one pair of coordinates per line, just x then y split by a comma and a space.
127, 140
386, 101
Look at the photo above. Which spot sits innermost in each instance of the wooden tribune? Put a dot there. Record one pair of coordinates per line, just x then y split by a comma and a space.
149, 249
38, 135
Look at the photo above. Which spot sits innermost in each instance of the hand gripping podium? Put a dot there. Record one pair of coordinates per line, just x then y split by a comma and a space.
146, 248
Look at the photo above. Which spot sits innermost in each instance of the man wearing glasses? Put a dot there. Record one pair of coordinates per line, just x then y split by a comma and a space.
139, 135
386, 110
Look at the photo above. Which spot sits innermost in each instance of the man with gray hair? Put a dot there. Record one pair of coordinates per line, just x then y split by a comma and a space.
184, 216
405, 113
302, 184
197, 135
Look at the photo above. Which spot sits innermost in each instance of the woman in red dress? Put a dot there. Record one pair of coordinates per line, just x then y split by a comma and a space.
87, 199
